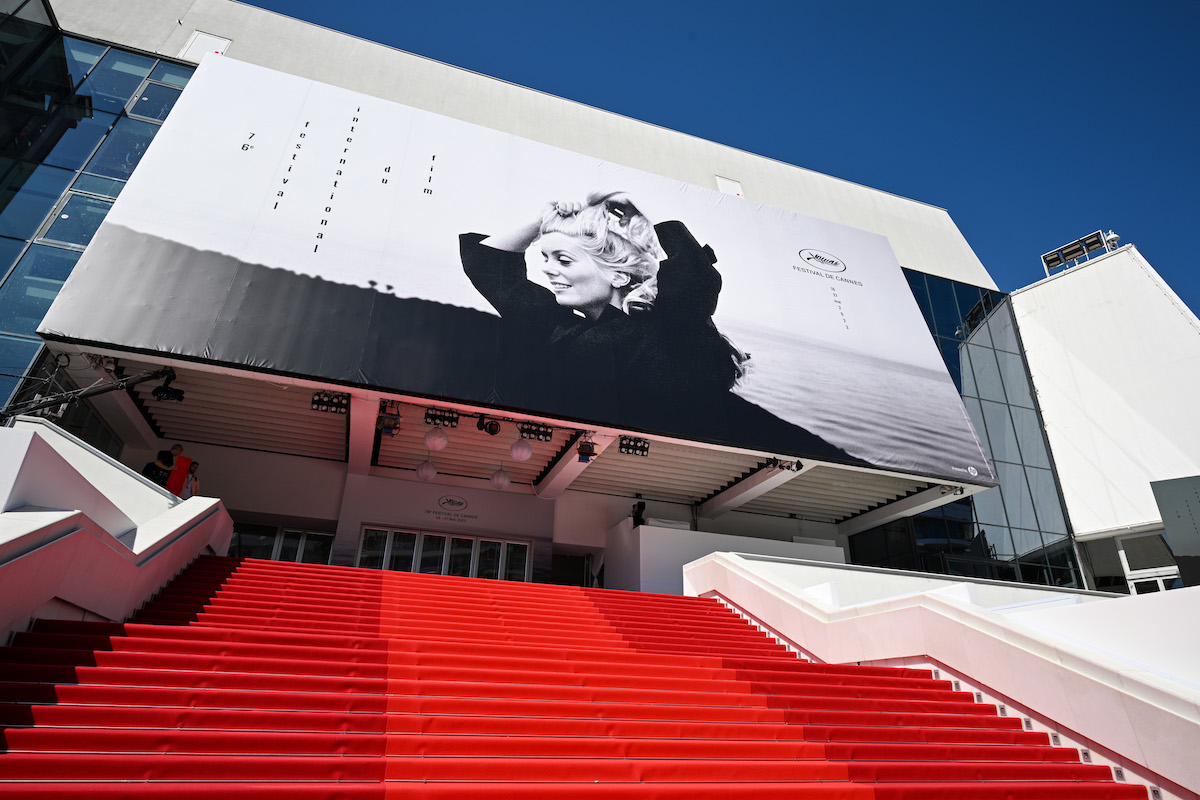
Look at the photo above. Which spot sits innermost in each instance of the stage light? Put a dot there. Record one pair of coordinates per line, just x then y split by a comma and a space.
436, 439
489, 426
388, 421
426, 471
166, 392
500, 479
1073, 251
586, 451
521, 450
441, 417
633, 446
333, 402
535, 430
1079, 248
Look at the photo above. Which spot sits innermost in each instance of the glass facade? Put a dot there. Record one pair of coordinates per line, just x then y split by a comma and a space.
75, 118
1017, 531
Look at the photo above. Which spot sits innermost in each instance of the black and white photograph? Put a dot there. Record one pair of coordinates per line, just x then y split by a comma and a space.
292, 227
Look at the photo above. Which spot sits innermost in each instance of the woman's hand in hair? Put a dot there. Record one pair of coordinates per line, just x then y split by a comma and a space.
566, 208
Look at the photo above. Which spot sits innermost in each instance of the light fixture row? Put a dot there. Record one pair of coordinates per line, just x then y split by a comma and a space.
633, 446
441, 417
333, 402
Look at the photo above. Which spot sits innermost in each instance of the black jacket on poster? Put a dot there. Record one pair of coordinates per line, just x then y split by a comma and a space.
666, 368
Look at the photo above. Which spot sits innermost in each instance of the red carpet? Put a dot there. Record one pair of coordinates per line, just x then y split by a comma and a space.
249, 679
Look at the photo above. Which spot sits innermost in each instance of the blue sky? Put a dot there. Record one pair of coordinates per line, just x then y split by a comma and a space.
1032, 123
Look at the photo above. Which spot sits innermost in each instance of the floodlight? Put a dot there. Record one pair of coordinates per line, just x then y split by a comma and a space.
633, 446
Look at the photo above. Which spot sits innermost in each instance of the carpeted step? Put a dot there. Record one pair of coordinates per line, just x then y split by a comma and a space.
248, 678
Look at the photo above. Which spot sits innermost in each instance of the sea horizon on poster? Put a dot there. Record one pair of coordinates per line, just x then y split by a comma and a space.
286, 225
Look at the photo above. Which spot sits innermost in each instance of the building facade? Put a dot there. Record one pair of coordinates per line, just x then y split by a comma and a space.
319, 490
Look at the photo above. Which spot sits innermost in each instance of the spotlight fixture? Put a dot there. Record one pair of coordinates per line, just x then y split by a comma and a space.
586, 451
633, 446
166, 392
535, 430
441, 417
388, 421
489, 426
1073, 251
333, 402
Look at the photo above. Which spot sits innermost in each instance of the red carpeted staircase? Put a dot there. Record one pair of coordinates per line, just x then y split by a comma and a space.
248, 679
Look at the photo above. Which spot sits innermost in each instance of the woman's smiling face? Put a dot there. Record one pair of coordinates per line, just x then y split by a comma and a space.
576, 279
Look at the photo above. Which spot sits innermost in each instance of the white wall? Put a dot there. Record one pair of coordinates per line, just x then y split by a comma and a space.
584, 518
1115, 359
266, 483
923, 237
1108, 672
650, 559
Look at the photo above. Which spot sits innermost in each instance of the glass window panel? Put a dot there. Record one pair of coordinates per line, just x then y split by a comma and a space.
317, 548
1029, 437
916, 282
949, 349
1146, 552
930, 533
869, 547
947, 321
1004, 334
432, 550
968, 375
115, 79
94, 184
1000, 432
989, 507
370, 552
980, 336
78, 220
29, 193
1029, 544
460, 557
1045, 500
1145, 587
34, 12
1016, 383
997, 542
173, 74
958, 511
968, 298
291, 545
33, 285
514, 562
16, 354
1036, 572
404, 545
1017, 502
155, 101
9, 250
987, 373
76, 144
123, 149
489, 560
81, 57
253, 541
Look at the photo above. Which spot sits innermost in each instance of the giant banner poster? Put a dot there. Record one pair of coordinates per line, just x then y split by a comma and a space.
283, 225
